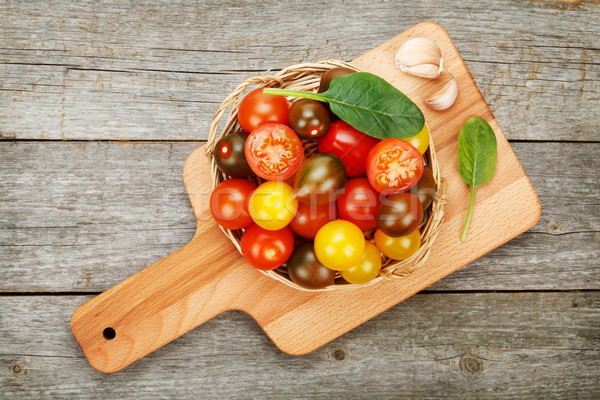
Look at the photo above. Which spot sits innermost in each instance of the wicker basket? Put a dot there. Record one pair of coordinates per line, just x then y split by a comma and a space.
306, 77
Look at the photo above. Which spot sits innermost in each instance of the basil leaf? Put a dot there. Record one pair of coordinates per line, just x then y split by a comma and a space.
369, 104
477, 154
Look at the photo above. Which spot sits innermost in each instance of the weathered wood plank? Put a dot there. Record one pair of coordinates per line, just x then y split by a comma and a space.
157, 71
526, 345
83, 216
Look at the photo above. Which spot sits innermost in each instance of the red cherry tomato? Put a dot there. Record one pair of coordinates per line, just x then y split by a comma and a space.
310, 218
359, 204
258, 108
229, 203
273, 151
394, 166
265, 249
350, 145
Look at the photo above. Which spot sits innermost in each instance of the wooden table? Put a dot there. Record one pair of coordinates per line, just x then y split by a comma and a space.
102, 102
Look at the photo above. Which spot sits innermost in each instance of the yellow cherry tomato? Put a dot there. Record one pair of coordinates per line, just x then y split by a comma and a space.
367, 268
272, 205
420, 140
398, 248
339, 245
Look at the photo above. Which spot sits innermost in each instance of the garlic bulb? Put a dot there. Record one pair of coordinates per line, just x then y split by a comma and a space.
445, 97
420, 57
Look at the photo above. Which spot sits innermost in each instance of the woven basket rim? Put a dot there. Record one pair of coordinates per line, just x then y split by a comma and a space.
306, 77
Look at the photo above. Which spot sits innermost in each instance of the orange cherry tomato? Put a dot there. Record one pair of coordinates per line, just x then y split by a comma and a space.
398, 248
367, 268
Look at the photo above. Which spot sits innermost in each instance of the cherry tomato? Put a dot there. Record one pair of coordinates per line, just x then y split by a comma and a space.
229, 203
306, 270
421, 140
350, 145
258, 108
229, 155
326, 81
272, 205
309, 219
309, 119
331, 75
359, 203
425, 188
264, 249
398, 248
339, 245
400, 214
320, 179
394, 166
273, 151
367, 268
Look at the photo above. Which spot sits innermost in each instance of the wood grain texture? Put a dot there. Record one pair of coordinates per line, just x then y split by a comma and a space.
84, 216
154, 70
459, 346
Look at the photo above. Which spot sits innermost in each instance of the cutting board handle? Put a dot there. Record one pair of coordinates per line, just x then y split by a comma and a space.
158, 304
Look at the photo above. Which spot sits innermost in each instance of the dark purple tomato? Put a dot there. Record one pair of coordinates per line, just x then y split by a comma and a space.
309, 119
400, 214
326, 81
331, 75
229, 155
425, 188
306, 270
320, 179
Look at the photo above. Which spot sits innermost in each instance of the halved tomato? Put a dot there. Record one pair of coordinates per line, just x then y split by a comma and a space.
394, 166
274, 151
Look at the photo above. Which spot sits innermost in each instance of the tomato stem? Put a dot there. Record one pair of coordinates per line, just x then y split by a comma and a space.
469, 212
295, 93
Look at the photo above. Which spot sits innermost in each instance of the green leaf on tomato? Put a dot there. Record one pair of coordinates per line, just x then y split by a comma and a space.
369, 104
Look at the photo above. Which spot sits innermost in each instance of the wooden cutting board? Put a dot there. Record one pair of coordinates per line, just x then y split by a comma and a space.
208, 276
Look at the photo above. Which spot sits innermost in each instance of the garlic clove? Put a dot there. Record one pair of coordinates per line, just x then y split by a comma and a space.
421, 57
430, 71
418, 51
444, 98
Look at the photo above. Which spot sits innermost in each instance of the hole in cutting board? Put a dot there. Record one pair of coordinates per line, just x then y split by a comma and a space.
109, 333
